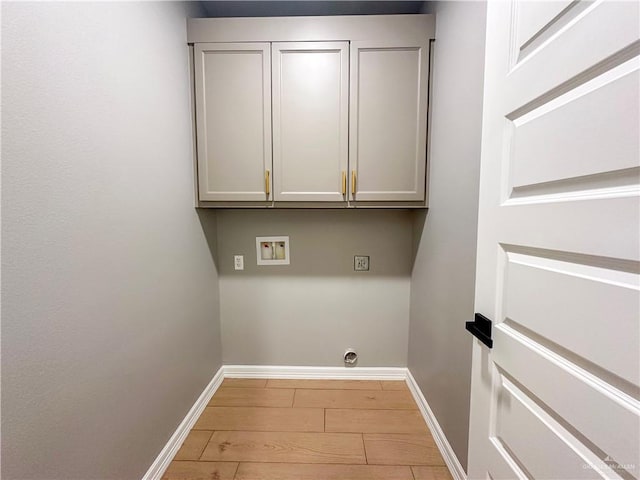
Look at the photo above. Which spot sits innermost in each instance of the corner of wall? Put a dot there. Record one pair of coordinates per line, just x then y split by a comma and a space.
442, 282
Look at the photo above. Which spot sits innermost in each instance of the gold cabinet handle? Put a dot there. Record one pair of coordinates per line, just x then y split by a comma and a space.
344, 182
353, 182
267, 183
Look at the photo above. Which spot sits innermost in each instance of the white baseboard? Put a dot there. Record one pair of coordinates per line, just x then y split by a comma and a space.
157, 469
446, 451
325, 373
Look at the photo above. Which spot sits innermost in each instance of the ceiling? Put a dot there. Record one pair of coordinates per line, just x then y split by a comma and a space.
267, 8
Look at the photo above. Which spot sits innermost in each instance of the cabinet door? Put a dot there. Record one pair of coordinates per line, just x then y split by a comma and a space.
233, 120
388, 121
310, 120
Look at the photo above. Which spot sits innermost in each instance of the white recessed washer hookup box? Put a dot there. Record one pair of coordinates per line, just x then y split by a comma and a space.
272, 250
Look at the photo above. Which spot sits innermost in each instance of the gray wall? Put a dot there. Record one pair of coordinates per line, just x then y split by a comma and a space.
110, 328
442, 282
307, 313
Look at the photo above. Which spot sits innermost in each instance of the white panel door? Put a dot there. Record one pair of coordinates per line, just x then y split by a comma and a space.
233, 121
310, 120
388, 121
558, 269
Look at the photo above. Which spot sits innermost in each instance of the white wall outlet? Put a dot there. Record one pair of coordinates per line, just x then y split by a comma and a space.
361, 263
238, 262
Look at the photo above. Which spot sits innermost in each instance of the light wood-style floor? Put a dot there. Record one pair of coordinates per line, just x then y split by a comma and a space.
309, 430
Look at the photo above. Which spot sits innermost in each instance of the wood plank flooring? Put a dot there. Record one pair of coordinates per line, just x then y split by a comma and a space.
259, 429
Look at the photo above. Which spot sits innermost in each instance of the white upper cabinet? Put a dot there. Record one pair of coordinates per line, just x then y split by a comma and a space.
311, 111
388, 124
233, 121
310, 120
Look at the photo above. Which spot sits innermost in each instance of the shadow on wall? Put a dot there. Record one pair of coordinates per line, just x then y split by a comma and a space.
322, 242
209, 222
419, 219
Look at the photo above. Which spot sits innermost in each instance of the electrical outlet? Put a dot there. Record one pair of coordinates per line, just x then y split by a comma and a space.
361, 263
238, 262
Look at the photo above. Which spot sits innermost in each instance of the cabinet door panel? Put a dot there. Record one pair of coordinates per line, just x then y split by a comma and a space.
388, 121
233, 120
310, 120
